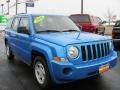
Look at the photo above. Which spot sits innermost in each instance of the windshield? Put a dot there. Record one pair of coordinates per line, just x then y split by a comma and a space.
80, 18
51, 23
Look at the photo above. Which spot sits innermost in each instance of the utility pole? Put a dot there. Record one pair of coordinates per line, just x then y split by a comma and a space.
16, 6
2, 8
25, 8
82, 7
8, 1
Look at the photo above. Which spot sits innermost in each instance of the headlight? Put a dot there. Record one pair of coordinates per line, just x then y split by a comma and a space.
73, 52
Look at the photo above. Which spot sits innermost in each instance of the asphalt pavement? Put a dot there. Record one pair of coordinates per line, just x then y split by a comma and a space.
18, 76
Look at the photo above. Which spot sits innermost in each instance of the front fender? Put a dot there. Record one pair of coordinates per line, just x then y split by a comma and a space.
45, 50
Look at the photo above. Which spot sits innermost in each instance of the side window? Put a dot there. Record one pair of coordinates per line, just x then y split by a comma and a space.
95, 20
24, 23
9, 23
15, 23
99, 20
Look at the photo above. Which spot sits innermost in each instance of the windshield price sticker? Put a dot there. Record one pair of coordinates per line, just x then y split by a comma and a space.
39, 19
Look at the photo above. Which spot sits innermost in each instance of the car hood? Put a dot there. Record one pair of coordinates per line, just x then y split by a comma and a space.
66, 38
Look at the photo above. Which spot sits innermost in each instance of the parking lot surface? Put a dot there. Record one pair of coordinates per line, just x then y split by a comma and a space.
18, 76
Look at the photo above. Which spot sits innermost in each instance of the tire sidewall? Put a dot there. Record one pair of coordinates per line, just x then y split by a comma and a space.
7, 47
10, 56
47, 81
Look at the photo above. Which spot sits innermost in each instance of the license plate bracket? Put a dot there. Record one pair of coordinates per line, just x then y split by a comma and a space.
104, 68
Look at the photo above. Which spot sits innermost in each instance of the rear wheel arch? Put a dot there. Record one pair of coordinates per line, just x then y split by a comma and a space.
9, 52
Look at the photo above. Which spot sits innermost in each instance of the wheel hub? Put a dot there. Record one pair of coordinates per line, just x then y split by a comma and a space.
40, 72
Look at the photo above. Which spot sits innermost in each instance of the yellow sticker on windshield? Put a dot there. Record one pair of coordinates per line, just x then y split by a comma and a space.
39, 19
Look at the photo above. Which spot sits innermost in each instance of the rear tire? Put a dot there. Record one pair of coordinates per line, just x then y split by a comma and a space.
41, 72
9, 53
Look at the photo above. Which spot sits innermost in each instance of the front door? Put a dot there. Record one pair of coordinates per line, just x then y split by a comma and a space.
23, 40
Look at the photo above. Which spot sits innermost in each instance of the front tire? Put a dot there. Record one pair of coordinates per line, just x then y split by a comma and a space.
41, 72
9, 53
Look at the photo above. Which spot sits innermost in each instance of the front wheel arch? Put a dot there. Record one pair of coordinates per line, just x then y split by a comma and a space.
36, 53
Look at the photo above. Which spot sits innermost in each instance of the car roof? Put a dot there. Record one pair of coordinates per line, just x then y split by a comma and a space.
22, 14
84, 15
80, 14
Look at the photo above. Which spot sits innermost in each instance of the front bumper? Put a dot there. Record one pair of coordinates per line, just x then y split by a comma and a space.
67, 72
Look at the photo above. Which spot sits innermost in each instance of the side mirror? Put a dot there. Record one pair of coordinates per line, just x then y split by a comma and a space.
23, 30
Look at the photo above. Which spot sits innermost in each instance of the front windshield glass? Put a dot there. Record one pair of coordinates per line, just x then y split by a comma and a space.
49, 23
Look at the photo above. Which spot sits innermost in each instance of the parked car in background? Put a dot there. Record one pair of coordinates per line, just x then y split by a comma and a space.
89, 23
107, 24
116, 34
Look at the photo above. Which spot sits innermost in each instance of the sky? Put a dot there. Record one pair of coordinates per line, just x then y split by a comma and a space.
66, 7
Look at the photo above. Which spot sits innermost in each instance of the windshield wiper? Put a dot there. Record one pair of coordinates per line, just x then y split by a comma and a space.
70, 30
48, 31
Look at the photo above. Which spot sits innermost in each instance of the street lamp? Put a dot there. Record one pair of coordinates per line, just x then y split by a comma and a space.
2, 8
25, 8
8, 1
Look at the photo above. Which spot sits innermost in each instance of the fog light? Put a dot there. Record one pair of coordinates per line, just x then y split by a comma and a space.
67, 71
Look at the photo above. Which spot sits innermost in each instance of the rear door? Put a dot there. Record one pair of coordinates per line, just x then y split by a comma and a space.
11, 33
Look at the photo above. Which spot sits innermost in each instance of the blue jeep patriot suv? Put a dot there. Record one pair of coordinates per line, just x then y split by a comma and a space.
57, 49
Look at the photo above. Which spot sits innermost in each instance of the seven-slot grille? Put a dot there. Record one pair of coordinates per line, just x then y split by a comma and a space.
94, 51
